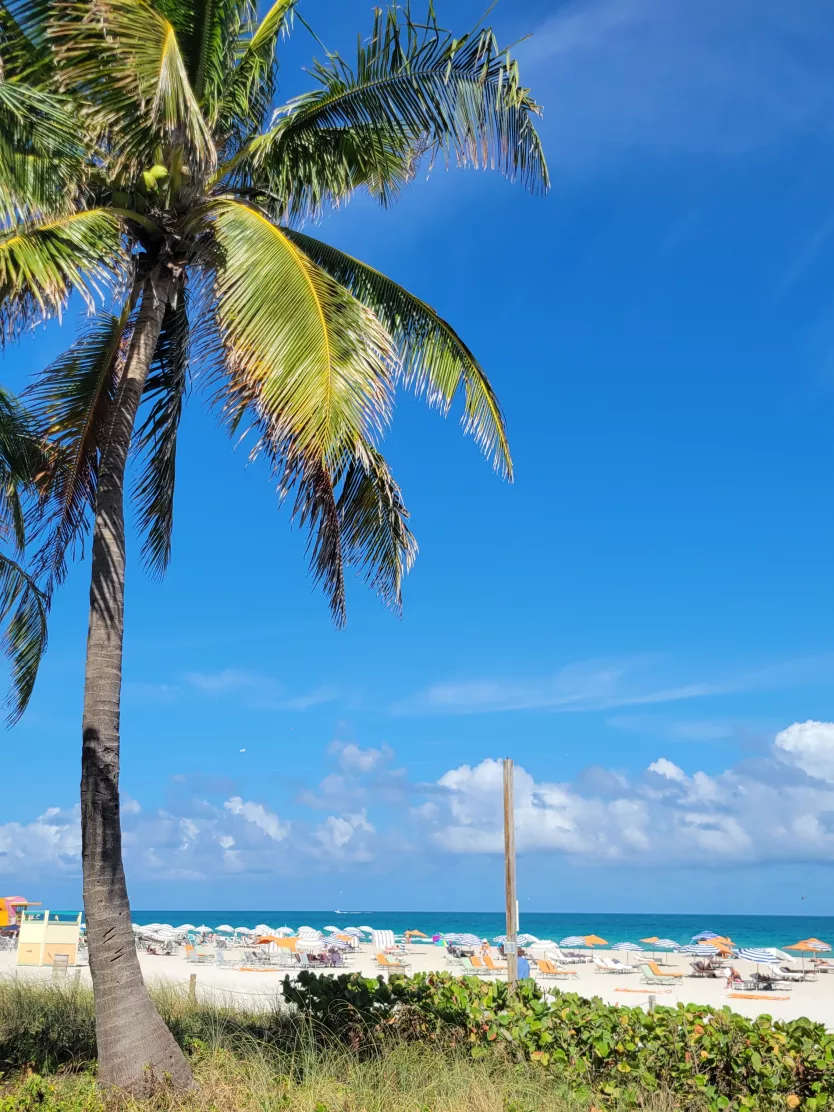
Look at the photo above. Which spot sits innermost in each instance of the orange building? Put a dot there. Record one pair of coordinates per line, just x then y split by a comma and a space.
11, 910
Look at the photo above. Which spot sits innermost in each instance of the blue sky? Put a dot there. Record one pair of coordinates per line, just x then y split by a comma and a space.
642, 620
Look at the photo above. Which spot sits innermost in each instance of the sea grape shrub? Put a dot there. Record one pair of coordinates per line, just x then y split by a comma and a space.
716, 1059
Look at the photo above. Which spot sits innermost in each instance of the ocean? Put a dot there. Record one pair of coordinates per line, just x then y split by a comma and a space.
745, 930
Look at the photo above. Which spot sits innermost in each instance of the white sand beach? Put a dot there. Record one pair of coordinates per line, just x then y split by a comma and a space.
231, 983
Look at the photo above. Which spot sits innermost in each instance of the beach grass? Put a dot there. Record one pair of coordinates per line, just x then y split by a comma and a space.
259, 1062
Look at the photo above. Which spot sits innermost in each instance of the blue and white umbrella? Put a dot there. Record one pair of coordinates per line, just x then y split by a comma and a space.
628, 947
705, 935
666, 944
573, 940
703, 949
526, 939
354, 932
764, 956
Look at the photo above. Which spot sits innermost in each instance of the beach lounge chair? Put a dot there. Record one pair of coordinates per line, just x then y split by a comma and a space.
548, 969
797, 974
480, 966
391, 966
469, 969
195, 956
652, 977
602, 966
664, 974
702, 969
617, 966
782, 974
495, 966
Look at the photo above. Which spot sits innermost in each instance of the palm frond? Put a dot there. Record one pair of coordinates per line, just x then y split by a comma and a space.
423, 90
124, 58
23, 461
41, 264
325, 167
156, 437
207, 32
319, 364
24, 50
23, 614
71, 402
434, 359
250, 90
41, 152
356, 518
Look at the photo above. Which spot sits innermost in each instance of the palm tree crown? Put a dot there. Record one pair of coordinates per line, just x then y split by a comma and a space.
151, 142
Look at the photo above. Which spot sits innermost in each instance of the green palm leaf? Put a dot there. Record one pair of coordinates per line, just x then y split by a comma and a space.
249, 91
41, 264
23, 461
434, 359
71, 401
418, 87
356, 518
23, 613
41, 154
123, 55
156, 438
318, 363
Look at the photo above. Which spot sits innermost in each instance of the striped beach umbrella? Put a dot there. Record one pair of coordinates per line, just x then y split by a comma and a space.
667, 944
704, 936
628, 948
761, 956
701, 949
573, 940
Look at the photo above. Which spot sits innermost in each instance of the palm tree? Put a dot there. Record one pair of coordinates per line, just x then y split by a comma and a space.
179, 193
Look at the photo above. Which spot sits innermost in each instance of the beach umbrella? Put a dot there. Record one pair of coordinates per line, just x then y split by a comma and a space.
700, 949
573, 940
354, 932
807, 946
705, 936
628, 948
469, 940
333, 930
262, 928
761, 956
367, 930
225, 929
594, 940
526, 939
415, 934
667, 944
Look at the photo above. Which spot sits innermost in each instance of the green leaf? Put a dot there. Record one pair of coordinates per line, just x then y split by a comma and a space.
156, 438
434, 359
422, 91
41, 264
316, 364
71, 401
23, 614
249, 91
124, 58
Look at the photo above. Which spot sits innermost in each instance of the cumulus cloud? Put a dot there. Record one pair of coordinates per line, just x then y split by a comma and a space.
779, 807
49, 845
809, 746
352, 758
259, 816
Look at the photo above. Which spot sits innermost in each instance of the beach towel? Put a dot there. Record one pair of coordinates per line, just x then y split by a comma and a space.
756, 996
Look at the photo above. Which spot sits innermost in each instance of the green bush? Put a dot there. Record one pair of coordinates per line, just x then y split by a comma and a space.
695, 1053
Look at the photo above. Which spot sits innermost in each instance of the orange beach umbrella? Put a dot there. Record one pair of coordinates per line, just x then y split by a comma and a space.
594, 940
415, 934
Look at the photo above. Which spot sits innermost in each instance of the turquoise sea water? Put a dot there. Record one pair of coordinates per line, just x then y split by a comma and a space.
745, 930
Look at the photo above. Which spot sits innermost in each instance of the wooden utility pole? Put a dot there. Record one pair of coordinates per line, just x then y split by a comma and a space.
511, 947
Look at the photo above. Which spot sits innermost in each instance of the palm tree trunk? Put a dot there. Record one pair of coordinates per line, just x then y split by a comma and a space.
136, 1051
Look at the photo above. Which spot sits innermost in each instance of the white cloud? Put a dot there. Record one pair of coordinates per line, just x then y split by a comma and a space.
670, 771
259, 816
345, 836
352, 758
51, 844
601, 685
625, 78
809, 746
